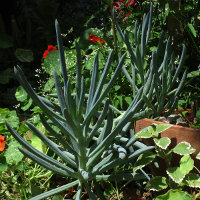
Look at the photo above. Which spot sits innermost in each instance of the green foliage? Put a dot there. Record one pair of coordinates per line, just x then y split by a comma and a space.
183, 148
175, 195
157, 183
9, 116
79, 124
156, 73
12, 153
180, 175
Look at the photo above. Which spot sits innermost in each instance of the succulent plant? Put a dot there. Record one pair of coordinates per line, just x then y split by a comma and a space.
158, 73
90, 141
93, 139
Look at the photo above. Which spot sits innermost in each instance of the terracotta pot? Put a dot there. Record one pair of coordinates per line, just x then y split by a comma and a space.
177, 134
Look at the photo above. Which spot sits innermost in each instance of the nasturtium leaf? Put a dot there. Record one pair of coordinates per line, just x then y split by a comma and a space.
12, 154
175, 174
24, 55
143, 160
21, 95
157, 183
175, 195
163, 143
186, 164
192, 180
49, 85
198, 156
183, 148
162, 127
36, 142
52, 62
10, 116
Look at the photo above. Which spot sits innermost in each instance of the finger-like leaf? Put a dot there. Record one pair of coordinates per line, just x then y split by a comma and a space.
55, 191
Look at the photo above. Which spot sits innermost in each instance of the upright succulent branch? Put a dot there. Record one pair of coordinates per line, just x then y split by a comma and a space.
159, 77
87, 149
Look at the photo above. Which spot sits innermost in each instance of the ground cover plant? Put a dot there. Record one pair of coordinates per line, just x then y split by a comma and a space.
177, 179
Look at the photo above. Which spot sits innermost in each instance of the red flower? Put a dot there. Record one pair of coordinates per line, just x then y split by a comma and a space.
128, 14
131, 3
50, 48
124, 9
2, 143
96, 39
118, 4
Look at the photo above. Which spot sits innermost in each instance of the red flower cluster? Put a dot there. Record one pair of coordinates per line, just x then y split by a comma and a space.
96, 39
50, 48
124, 7
2, 143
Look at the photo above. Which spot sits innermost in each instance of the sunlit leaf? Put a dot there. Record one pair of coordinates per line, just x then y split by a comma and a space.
183, 148
175, 174
186, 164
163, 143
175, 195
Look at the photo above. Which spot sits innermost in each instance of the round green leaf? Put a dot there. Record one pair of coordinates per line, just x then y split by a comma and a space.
186, 164
175, 174
157, 183
183, 148
163, 143
175, 195
9, 116
52, 62
24, 55
12, 154
21, 94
